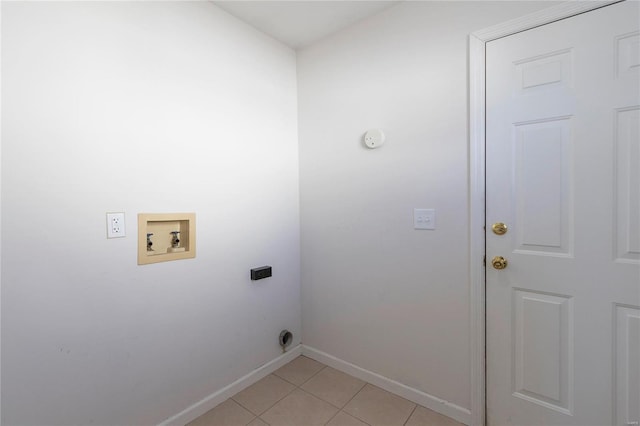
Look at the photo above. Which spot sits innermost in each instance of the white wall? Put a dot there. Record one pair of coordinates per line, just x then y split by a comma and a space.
141, 107
376, 292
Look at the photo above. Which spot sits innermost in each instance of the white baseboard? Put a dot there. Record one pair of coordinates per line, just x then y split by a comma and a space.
199, 408
431, 402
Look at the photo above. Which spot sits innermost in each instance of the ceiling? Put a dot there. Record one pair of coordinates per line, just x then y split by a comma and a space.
301, 23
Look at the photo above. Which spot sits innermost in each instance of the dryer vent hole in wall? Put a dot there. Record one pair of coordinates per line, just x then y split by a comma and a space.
285, 339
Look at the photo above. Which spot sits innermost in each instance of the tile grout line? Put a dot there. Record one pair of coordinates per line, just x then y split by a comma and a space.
313, 375
293, 390
271, 406
352, 398
310, 377
319, 398
322, 399
252, 420
262, 420
327, 402
332, 417
415, 406
351, 415
356, 394
411, 414
339, 409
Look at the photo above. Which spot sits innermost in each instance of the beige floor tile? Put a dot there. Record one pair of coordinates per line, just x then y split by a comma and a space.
425, 417
260, 396
333, 386
299, 409
257, 422
379, 407
299, 370
229, 413
343, 419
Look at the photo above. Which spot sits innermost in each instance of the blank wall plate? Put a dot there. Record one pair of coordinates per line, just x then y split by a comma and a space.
424, 219
115, 225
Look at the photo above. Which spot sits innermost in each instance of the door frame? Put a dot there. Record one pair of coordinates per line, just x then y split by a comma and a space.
477, 173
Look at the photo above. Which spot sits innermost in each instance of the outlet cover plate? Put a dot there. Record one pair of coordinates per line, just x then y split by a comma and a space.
115, 225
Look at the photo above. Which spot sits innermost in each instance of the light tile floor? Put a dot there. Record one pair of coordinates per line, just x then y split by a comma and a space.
307, 393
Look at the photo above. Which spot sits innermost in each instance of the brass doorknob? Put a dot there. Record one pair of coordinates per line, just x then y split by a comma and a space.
499, 262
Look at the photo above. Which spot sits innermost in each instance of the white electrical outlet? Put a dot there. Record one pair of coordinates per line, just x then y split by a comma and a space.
115, 225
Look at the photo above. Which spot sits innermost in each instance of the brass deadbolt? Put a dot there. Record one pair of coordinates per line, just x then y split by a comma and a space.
499, 228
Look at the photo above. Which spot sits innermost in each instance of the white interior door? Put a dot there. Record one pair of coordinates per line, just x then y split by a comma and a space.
563, 174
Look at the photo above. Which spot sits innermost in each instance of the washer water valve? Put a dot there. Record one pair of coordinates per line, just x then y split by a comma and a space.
175, 243
149, 242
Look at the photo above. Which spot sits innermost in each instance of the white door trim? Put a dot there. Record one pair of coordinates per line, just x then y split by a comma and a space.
477, 46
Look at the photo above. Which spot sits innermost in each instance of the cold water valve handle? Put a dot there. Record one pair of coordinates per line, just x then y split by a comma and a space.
175, 240
175, 243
